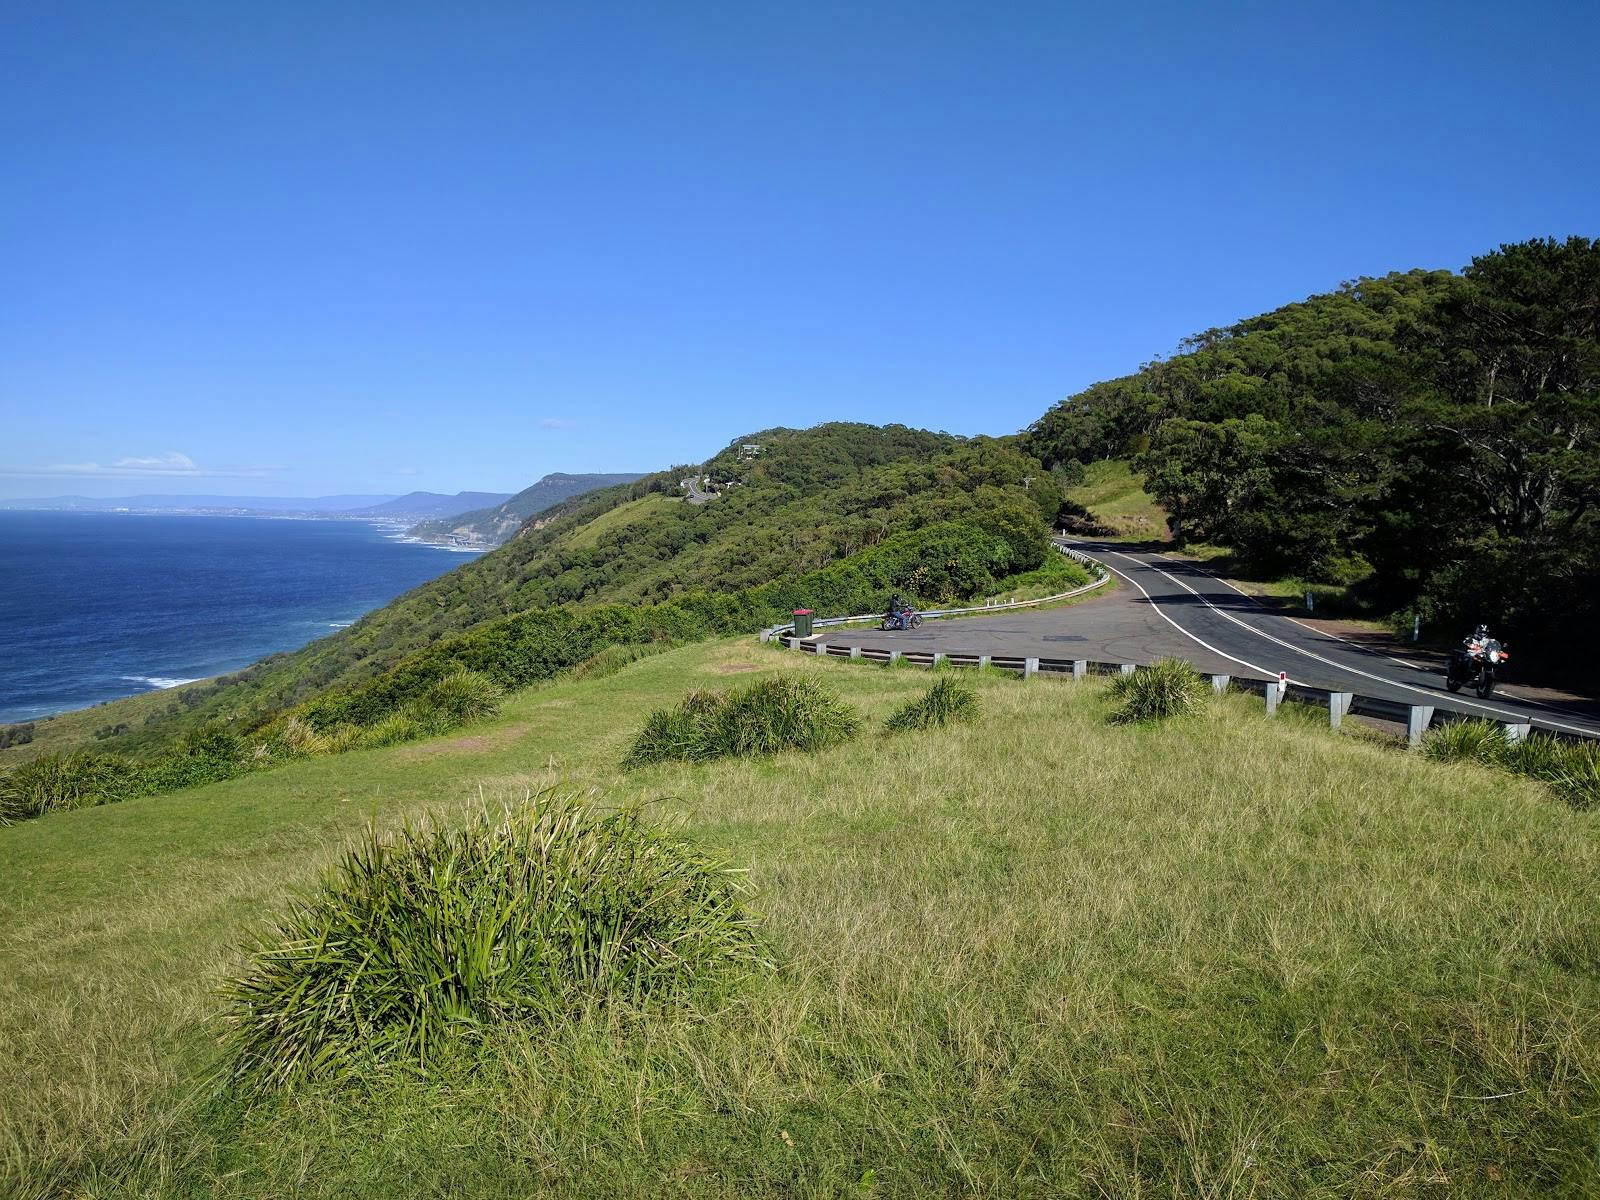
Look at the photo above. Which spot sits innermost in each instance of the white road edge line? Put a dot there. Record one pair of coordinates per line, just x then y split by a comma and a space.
1198, 641
1328, 662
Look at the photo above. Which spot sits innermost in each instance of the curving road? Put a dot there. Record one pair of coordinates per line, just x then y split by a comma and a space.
1170, 607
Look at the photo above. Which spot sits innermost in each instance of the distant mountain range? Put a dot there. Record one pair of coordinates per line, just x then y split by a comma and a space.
494, 523
414, 506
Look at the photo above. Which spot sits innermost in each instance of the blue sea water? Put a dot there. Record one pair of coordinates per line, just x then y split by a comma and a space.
96, 606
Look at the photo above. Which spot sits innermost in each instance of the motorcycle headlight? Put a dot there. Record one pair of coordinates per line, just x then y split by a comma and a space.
1494, 656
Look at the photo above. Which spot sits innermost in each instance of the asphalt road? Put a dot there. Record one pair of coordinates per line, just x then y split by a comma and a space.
1170, 608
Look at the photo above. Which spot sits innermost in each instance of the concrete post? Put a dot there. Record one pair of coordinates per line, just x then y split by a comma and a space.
983, 661
1126, 668
1080, 668
1219, 683
894, 657
1338, 705
1272, 700
1517, 730
1030, 667
1417, 722
855, 651
766, 635
938, 657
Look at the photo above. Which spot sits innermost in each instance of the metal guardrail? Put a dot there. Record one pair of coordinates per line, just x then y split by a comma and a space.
1101, 574
1417, 718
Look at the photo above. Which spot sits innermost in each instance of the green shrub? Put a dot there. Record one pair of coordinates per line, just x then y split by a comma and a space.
1165, 688
444, 932
782, 713
60, 782
205, 755
947, 701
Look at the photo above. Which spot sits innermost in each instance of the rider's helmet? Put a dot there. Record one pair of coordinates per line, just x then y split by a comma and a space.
1482, 631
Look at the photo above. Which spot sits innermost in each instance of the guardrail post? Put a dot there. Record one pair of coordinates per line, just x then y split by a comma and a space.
855, 651
1030, 667
1417, 722
766, 635
983, 661
1338, 705
1272, 700
894, 657
1219, 683
1080, 668
938, 657
1516, 731
1126, 668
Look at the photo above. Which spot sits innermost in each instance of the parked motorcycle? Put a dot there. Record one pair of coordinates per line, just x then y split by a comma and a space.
1474, 664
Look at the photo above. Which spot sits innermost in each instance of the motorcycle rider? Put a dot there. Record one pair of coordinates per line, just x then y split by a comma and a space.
1479, 643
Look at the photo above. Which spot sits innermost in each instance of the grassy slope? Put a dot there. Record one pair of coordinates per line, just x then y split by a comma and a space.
1114, 492
612, 521
1037, 956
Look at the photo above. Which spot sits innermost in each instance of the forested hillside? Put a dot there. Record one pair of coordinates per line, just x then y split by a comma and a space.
836, 516
1433, 438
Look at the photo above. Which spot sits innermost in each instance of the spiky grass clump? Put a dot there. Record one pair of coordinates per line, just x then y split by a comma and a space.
1465, 741
441, 933
949, 700
392, 730
1165, 688
613, 658
462, 698
787, 712
1570, 769
61, 782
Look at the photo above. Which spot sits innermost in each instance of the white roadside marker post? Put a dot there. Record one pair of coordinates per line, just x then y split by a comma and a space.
1275, 693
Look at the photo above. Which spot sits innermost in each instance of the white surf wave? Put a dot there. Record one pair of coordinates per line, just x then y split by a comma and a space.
159, 682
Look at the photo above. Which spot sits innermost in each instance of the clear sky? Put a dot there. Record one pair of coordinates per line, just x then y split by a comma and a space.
301, 248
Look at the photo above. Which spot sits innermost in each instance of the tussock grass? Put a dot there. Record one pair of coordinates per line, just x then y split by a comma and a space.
1166, 688
60, 783
788, 712
948, 701
613, 658
461, 698
1570, 769
441, 931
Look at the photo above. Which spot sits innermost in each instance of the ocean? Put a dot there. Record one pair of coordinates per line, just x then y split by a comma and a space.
97, 606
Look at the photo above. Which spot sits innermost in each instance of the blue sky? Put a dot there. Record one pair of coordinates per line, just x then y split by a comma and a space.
307, 248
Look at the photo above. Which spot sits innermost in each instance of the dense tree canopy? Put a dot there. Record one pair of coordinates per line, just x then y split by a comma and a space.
1436, 435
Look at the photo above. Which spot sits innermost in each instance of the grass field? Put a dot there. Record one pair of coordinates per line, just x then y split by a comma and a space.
1036, 955
1114, 492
